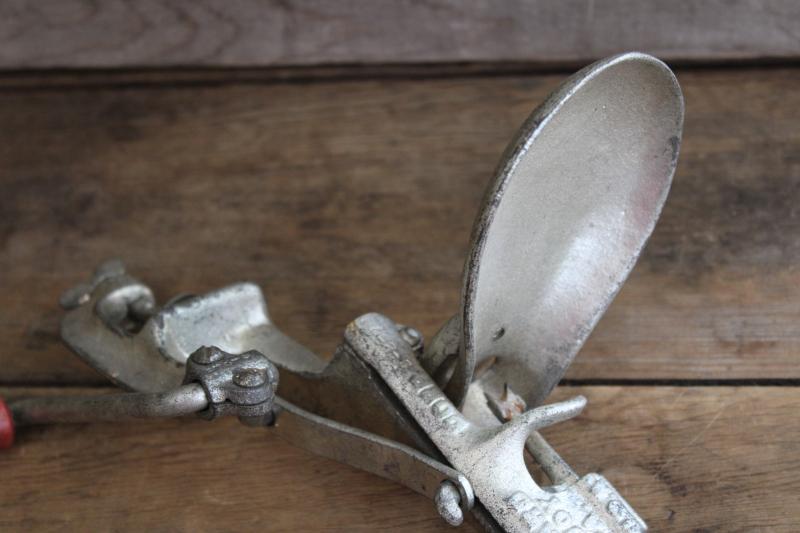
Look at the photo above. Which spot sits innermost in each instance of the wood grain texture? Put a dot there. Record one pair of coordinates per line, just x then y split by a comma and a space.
686, 458
160, 33
349, 197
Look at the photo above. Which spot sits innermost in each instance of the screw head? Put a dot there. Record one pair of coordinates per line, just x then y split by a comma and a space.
447, 502
249, 378
206, 355
412, 337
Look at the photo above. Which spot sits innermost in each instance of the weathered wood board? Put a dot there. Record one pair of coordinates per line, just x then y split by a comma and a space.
687, 458
81, 33
345, 197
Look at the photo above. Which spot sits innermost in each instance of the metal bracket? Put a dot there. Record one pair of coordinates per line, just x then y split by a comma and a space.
243, 384
113, 323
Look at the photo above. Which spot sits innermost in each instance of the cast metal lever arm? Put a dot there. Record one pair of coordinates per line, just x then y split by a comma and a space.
316, 434
184, 400
491, 458
216, 383
450, 490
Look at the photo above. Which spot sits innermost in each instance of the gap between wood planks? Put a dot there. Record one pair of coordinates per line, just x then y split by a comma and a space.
757, 382
124, 79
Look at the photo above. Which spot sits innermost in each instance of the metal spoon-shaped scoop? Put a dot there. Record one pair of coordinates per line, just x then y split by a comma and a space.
573, 201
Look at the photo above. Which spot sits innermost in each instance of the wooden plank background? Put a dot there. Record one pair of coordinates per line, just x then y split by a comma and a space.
343, 178
180, 33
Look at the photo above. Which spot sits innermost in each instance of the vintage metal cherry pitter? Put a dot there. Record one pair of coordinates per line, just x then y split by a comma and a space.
572, 203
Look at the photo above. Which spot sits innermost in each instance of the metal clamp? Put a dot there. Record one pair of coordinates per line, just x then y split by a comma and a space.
216, 384
243, 385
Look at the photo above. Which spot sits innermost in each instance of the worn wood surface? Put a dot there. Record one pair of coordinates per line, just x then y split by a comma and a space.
82, 33
687, 458
346, 197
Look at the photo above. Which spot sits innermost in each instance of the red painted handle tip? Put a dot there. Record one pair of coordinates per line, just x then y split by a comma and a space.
6, 426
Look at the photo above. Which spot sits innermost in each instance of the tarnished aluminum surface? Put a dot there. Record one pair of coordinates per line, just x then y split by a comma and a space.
219, 383
182, 401
575, 197
491, 458
361, 384
146, 351
380, 456
216, 383
345, 390
235, 384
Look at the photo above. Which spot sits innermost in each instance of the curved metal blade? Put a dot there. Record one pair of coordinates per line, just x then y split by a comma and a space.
575, 198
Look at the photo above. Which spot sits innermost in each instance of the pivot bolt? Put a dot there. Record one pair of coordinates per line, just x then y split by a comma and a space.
206, 355
249, 378
447, 502
412, 337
